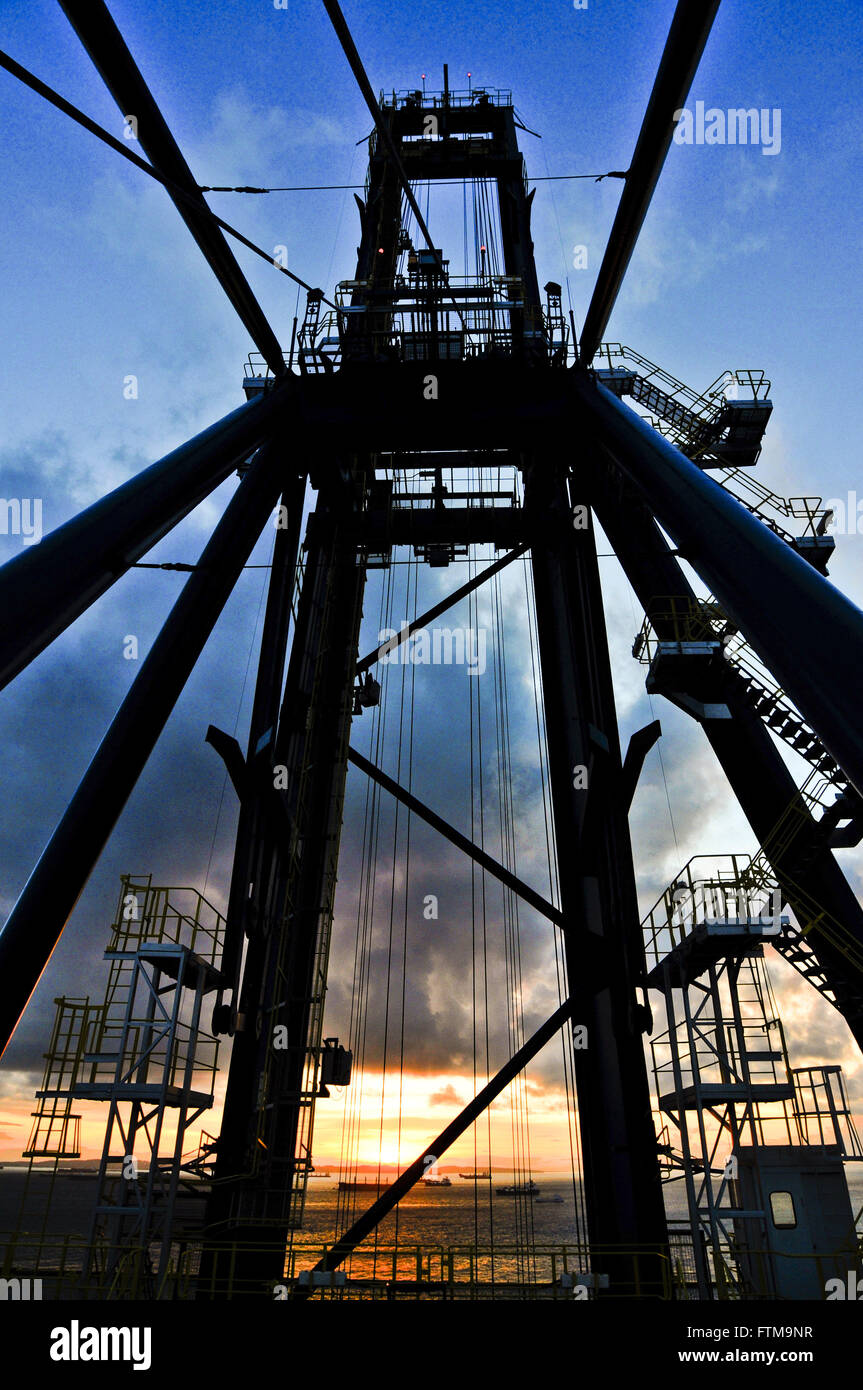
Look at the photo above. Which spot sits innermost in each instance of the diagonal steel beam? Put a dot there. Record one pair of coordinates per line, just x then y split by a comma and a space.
345, 38
48, 586
684, 46
97, 31
37, 921
497, 870
348, 1242
349, 48
435, 611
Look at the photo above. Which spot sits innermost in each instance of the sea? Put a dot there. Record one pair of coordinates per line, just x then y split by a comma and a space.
435, 1229
468, 1212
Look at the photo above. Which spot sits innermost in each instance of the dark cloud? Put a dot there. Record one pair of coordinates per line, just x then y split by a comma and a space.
178, 822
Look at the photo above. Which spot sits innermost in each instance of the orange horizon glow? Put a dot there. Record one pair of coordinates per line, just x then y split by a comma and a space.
427, 1104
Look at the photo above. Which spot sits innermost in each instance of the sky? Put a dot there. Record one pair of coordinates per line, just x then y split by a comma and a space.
747, 259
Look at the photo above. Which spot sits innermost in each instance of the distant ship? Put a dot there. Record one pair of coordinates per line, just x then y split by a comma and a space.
552, 1197
317, 1173
436, 1181
361, 1185
478, 1174
524, 1189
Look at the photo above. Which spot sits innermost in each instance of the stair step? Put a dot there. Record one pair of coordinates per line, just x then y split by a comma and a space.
763, 703
804, 742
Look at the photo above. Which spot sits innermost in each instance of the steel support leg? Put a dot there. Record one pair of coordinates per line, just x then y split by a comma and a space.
261, 1168
253, 828
36, 922
604, 955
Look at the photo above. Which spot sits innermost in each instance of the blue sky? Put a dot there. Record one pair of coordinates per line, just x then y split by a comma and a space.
745, 260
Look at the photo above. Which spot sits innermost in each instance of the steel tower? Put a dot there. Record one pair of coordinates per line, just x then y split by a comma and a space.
413, 368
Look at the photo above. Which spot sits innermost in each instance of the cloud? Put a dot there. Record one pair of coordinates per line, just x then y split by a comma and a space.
449, 1096
245, 137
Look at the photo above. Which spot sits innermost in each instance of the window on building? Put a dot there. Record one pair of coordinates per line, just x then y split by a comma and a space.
782, 1211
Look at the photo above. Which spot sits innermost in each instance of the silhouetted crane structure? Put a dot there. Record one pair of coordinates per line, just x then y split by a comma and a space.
411, 368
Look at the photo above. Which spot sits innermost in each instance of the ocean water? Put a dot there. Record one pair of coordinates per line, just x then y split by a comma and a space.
437, 1232
466, 1213
434, 1234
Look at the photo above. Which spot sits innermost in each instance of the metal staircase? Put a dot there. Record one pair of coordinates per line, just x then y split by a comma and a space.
715, 428
814, 544
719, 431
748, 883
694, 636
763, 695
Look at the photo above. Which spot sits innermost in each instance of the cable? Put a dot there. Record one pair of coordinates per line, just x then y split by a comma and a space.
43, 90
341, 219
295, 188
564, 263
512, 925
178, 565
597, 178
143, 565
338, 187
573, 1131
392, 908
405, 921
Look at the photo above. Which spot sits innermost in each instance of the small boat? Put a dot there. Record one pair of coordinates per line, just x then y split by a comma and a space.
435, 1181
523, 1189
478, 1175
553, 1197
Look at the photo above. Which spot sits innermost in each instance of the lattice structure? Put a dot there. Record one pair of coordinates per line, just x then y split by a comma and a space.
728, 1093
